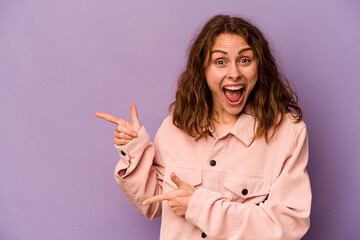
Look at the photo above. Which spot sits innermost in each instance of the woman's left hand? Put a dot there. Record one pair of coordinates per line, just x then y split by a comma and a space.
177, 199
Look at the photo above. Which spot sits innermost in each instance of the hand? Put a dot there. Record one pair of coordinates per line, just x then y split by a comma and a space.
177, 199
125, 131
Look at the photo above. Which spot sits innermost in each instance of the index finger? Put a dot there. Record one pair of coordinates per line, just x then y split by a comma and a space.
157, 198
108, 117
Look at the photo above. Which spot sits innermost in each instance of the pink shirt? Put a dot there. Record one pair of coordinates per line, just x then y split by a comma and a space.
245, 189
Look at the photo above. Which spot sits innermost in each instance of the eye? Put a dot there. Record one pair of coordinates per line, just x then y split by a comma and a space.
219, 62
245, 61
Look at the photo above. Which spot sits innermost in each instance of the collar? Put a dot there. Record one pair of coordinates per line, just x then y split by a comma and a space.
244, 128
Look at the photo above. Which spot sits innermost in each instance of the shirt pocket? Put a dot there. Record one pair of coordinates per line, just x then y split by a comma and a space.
188, 175
246, 189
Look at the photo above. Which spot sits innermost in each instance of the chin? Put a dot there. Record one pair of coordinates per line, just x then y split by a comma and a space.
237, 111
234, 110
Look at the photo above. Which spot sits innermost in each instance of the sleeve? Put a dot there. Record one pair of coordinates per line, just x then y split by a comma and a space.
284, 215
139, 173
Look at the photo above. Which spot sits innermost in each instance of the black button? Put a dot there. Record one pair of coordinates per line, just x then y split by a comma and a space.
123, 153
203, 235
244, 191
212, 162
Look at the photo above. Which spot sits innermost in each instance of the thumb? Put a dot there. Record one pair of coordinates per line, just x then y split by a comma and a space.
135, 119
176, 180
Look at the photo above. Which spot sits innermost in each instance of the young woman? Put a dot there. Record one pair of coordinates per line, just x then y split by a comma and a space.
229, 161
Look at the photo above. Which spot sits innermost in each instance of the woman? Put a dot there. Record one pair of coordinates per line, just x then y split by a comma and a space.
229, 161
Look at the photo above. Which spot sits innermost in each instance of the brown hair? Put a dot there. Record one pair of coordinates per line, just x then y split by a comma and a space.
271, 97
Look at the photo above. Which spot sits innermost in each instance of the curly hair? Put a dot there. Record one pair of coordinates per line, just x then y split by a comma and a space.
271, 97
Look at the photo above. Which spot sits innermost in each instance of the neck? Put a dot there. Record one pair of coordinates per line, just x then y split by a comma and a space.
224, 118
223, 121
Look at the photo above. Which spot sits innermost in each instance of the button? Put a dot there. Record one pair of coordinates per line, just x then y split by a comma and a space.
203, 235
244, 191
212, 162
123, 153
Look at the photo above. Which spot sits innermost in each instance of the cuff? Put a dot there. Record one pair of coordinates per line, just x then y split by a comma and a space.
196, 205
129, 150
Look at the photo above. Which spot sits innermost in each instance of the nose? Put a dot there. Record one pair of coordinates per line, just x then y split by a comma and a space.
234, 72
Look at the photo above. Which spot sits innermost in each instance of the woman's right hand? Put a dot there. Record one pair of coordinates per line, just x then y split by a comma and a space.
124, 131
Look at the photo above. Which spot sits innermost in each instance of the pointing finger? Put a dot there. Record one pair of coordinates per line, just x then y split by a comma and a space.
108, 117
157, 198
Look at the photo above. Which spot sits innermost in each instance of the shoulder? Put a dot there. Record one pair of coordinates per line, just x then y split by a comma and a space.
167, 123
289, 123
288, 130
168, 128
291, 130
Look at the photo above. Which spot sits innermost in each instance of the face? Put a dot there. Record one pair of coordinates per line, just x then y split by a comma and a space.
231, 74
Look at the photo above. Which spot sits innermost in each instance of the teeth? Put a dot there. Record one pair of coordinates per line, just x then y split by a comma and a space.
233, 88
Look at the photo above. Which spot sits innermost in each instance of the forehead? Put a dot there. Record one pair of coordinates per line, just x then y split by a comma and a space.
229, 40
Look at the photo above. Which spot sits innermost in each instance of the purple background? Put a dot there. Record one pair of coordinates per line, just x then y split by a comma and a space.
61, 61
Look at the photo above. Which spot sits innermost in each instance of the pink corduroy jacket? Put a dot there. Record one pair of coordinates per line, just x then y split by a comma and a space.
245, 189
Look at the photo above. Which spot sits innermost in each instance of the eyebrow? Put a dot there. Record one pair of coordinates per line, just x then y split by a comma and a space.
241, 51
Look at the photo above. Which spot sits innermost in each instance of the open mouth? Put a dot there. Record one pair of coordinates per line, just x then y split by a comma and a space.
234, 94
